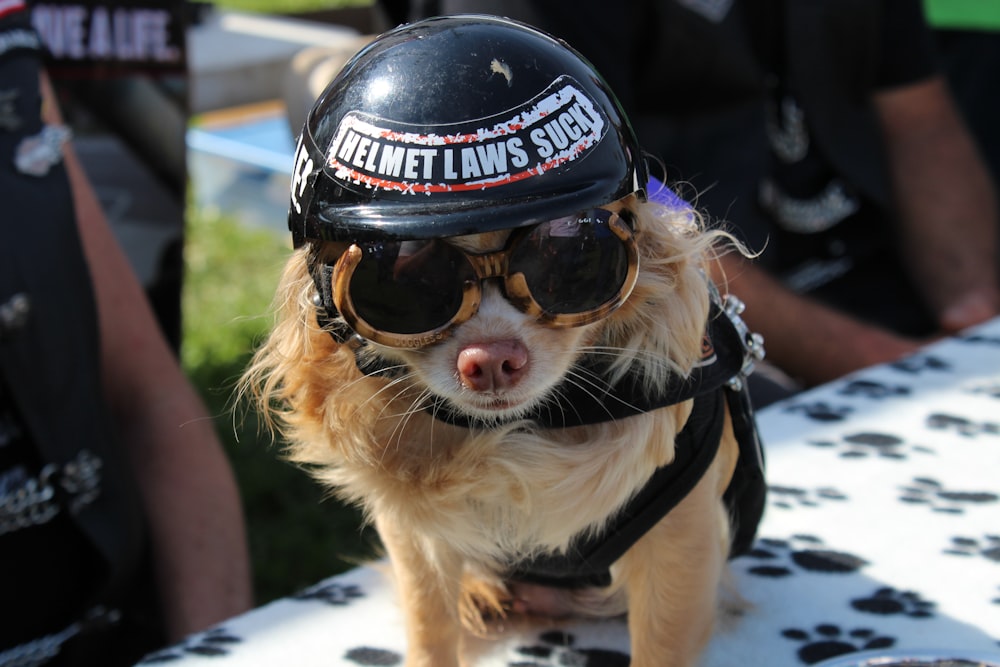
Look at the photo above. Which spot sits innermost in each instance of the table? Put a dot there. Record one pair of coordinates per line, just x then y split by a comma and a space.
882, 531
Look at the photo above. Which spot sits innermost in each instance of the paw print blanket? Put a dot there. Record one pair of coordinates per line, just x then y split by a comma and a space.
881, 534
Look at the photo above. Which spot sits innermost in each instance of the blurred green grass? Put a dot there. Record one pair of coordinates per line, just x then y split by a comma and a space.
297, 534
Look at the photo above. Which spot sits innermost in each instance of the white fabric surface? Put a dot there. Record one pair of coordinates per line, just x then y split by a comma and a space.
882, 531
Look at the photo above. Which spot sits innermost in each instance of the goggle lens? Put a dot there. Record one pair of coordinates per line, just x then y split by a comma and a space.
571, 265
409, 287
567, 272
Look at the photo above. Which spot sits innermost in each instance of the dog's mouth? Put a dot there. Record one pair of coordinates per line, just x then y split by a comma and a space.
485, 409
506, 405
500, 404
497, 405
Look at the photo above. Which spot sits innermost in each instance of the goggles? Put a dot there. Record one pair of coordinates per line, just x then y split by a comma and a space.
565, 272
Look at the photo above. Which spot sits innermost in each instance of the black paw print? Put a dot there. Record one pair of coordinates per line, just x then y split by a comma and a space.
210, 644
821, 411
890, 602
556, 650
788, 497
930, 492
331, 593
988, 547
980, 339
870, 443
874, 390
828, 641
920, 363
803, 551
990, 389
942, 422
373, 657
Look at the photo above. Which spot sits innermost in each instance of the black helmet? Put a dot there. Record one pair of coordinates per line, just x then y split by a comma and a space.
459, 125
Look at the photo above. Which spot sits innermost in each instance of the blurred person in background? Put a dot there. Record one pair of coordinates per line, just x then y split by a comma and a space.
968, 37
120, 72
121, 528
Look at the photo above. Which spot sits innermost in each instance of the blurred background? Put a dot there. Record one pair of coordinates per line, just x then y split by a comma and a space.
243, 56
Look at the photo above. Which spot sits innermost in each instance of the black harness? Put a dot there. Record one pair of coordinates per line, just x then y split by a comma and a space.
717, 382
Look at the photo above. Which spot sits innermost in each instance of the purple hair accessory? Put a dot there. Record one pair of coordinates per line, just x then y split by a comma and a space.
661, 194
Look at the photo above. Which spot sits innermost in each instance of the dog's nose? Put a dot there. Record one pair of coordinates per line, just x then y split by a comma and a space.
492, 366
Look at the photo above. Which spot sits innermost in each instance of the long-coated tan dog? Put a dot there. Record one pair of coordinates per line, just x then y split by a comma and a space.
458, 506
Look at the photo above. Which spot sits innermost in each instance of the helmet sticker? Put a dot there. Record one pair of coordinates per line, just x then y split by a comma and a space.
302, 167
549, 132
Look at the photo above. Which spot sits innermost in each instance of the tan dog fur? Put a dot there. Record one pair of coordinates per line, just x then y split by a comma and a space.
454, 505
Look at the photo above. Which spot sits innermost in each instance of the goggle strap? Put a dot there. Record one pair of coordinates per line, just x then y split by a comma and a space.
327, 315
328, 318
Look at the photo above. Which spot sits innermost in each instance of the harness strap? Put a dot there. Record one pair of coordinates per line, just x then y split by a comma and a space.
747, 491
588, 560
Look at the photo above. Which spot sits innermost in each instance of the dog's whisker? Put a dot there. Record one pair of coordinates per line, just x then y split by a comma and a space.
561, 401
655, 367
416, 406
630, 356
580, 374
395, 380
392, 384
401, 384
596, 390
